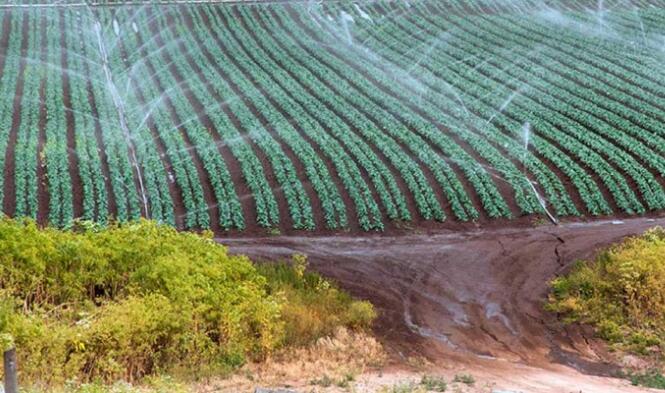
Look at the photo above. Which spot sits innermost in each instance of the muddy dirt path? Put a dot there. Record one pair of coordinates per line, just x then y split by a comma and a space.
473, 297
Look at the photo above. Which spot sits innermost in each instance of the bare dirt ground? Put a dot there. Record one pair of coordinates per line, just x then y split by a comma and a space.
471, 300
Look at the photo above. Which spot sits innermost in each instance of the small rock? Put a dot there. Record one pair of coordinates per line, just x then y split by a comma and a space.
270, 390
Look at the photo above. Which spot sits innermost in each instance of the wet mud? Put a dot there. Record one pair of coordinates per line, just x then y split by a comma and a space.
466, 296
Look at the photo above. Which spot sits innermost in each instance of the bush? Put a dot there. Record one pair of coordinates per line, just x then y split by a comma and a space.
312, 306
433, 383
622, 293
94, 304
650, 379
466, 379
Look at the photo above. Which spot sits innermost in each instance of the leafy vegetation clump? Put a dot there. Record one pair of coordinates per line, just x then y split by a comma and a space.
650, 379
434, 383
466, 379
622, 294
312, 306
138, 299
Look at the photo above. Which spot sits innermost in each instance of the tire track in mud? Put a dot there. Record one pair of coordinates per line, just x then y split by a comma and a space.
472, 295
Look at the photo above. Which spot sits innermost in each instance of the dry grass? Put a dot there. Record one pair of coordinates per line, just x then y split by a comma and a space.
334, 360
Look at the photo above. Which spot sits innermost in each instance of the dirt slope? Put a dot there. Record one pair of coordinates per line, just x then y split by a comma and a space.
474, 297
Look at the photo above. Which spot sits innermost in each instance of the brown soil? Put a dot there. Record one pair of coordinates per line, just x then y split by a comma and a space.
470, 298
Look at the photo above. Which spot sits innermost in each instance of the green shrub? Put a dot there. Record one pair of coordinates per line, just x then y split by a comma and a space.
312, 306
622, 293
650, 379
97, 305
466, 379
433, 383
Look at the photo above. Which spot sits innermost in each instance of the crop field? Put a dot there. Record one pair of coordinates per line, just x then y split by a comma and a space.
332, 115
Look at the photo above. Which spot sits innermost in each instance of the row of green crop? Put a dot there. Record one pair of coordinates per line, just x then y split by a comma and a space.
624, 88
354, 113
500, 80
150, 124
347, 122
574, 115
239, 82
140, 163
323, 125
507, 137
602, 89
649, 23
600, 143
608, 106
457, 121
267, 212
140, 142
418, 126
302, 118
367, 210
284, 170
332, 205
55, 153
629, 76
93, 179
318, 106
597, 120
449, 84
529, 7
392, 123
449, 111
609, 134
338, 116
121, 171
26, 154
200, 140
620, 62
410, 91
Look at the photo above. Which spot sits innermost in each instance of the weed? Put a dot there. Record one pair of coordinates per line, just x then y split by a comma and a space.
324, 381
650, 379
403, 387
346, 380
540, 221
466, 379
433, 383
418, 362
274, 231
